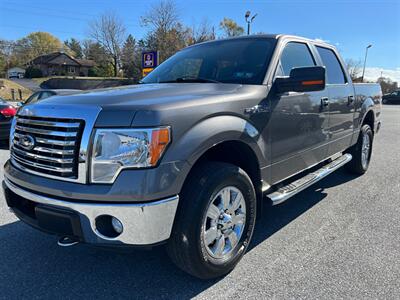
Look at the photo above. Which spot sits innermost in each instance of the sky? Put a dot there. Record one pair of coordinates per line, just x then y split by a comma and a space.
351, 25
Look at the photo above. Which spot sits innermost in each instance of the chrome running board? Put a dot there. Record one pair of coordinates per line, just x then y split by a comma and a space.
287, 191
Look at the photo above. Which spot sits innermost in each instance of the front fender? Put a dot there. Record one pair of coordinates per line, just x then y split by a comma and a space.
191, 145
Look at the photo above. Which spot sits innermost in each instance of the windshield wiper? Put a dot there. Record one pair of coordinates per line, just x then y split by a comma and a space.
191, 79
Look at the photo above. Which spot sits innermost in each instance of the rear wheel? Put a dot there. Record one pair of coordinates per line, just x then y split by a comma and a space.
361, 151
214, 222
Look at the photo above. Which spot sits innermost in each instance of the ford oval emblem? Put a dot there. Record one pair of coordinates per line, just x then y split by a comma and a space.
27, 142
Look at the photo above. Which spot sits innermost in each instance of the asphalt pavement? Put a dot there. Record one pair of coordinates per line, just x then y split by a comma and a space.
338, 239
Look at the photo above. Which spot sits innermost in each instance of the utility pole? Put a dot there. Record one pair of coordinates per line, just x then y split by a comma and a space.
247, 16
365, 62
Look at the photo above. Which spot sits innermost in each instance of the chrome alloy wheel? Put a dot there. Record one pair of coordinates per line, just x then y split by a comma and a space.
365, 150
224, 222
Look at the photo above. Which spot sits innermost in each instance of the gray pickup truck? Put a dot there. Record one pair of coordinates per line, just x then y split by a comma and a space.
189, 156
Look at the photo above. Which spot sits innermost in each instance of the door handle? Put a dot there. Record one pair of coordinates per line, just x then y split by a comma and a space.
324, 101
350, 99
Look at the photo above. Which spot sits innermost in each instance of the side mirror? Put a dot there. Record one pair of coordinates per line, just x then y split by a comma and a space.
304, 79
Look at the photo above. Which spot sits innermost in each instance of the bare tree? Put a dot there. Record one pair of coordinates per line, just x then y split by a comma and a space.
166, 34
109, 31
6, 52
354, 68
162, 16
201, 32
387, 85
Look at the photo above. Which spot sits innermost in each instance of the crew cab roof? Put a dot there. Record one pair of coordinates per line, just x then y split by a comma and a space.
268, 36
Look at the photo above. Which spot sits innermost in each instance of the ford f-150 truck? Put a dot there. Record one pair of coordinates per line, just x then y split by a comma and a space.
188, 157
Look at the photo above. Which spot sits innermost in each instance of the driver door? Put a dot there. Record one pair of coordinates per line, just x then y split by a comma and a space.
299, 123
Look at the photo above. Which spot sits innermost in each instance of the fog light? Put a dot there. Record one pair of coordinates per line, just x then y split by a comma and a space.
117, 225
108, 226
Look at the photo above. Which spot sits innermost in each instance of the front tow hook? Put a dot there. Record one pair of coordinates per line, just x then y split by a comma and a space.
67, 241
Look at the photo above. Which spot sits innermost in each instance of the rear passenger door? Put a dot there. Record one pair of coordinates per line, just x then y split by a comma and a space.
341, 101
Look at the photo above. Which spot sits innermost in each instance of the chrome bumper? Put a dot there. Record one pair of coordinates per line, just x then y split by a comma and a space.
144, 223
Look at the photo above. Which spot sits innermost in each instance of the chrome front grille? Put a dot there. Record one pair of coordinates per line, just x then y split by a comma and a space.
48, 146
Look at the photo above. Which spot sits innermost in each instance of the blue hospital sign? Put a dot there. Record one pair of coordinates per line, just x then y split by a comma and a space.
149, 59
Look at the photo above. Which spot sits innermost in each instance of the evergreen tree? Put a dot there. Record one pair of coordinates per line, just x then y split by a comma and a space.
75, 46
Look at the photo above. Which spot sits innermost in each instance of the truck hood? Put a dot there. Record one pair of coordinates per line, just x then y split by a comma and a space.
153, 104
144, 96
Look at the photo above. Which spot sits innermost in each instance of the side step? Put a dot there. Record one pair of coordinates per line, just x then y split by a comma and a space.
297, 186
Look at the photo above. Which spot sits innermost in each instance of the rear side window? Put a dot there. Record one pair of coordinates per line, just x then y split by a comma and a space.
45, 95
333, 67
295, 55
33, 98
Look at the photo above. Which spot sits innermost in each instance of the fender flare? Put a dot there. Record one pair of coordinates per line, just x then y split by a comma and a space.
209, 132
367, 106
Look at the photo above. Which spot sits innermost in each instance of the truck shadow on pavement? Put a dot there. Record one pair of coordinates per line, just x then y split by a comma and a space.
32, 265
4, 145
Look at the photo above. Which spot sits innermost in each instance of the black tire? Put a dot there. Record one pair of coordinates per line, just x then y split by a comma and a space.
186, 246
356, 165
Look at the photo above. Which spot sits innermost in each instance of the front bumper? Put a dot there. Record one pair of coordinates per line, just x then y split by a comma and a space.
144, 224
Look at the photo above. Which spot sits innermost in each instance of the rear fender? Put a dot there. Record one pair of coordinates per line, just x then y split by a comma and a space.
367, 105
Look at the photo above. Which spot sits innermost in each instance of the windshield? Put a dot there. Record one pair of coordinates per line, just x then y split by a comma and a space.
242, 61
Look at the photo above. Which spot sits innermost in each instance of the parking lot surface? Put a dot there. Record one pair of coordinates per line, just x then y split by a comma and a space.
338, 239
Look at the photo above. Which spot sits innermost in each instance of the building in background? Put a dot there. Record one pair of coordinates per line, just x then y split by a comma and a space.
61, 64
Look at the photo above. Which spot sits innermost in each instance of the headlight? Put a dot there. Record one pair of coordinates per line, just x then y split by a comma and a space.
117, 149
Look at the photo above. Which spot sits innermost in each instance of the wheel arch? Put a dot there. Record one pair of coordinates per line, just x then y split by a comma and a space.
224, 138
367, 113
238, 153
369, 118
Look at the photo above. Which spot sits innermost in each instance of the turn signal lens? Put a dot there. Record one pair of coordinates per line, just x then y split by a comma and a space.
312, 82
160, 138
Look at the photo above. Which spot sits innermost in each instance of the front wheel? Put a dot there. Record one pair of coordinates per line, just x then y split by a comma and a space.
214, 222
361, 151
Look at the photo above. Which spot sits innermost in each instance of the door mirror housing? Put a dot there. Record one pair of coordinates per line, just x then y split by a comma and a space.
304, 79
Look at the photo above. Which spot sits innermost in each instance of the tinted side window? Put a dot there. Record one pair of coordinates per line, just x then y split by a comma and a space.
296, 55
334, 70
45, 95
33, 98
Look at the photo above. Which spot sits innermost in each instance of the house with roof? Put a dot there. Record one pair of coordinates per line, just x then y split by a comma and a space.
61, 64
